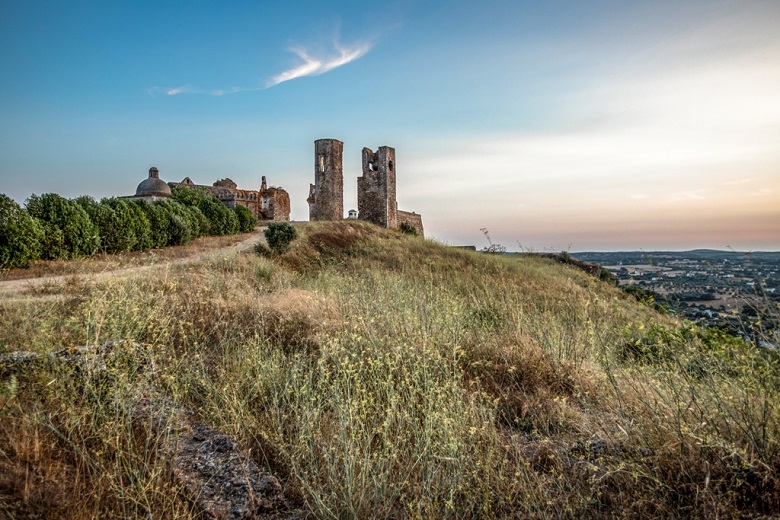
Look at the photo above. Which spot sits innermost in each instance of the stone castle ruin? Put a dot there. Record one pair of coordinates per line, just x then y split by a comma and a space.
326, 195
376, 188
266, 203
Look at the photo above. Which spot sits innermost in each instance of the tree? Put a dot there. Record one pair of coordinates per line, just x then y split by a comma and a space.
223, 221
246, 221
20, 235
204, 226
139, 224
68, 232
158, 216
279, 235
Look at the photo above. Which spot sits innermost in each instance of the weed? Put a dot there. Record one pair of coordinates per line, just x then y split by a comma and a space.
380, 375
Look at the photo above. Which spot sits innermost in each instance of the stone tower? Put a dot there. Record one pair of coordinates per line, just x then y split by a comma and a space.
376, 188
326, 195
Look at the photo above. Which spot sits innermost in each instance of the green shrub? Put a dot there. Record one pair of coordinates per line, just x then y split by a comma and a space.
204, 226
20, 235
223, 221
68, 232
121, 223
246, 221
159, 217
407, 229
140, 225
279, 235
189, 196
111, 225
182, 226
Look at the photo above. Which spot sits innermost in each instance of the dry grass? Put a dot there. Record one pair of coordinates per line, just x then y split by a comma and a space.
385, 376
106, 262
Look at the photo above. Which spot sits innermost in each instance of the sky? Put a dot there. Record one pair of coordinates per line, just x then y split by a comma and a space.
555, 125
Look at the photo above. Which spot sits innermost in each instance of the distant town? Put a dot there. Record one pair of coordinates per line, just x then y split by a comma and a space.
732, 290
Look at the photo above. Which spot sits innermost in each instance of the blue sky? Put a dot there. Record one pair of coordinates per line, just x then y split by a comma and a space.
600, 125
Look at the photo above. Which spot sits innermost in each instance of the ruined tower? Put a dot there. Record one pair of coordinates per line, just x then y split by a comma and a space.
376, 188
326, 195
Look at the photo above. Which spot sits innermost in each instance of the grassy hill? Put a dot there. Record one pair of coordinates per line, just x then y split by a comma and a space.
381, 375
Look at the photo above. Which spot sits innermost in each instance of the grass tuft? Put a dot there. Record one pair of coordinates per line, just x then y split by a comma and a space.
381, 375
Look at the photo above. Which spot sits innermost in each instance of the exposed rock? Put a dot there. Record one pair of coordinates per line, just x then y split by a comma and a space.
15, 361
225, 483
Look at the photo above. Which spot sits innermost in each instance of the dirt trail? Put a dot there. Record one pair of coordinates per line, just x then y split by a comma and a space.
17, 288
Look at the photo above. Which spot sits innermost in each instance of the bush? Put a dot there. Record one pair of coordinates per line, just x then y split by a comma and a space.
182, 226
223, 221
279, 235
139, 224
122, 224
20, 235
111, 226
407, 229
204, 226
246, 221
68, 232
189, 196
159, 217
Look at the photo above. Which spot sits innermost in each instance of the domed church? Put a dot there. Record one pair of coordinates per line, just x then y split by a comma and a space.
267, 203
153, 188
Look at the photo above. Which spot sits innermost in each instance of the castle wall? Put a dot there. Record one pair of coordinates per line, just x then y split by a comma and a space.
376, 188
275, 205
326, 195
265, 204
412, 219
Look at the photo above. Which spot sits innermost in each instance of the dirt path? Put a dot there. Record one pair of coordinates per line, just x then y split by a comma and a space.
18, 288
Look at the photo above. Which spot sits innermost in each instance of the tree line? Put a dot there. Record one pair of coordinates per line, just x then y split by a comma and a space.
52, 227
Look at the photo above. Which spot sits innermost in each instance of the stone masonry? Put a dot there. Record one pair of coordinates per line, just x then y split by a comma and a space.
376, 188
411, 219
326, 195
266, 203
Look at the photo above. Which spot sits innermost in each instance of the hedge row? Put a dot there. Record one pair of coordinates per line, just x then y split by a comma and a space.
52, 227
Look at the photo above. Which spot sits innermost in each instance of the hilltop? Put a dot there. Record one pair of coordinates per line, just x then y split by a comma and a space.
377, 374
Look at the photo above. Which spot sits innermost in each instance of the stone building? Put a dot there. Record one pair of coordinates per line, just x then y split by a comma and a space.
153, 188
266, 203
376, 193
376, 188
326, 195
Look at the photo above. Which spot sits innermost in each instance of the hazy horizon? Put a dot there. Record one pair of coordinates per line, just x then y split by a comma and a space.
598, 126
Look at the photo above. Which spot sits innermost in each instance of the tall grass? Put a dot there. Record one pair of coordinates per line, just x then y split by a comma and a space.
380, 375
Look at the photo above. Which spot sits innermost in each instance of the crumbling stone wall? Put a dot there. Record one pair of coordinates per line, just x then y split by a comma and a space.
377, 201
326, 195
412, 219
376, 188
274, 203
266, 204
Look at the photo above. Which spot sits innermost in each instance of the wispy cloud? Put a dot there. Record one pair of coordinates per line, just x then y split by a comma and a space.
188, 89
316, 65
313, 65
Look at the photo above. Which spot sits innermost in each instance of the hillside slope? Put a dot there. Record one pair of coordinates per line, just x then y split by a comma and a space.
381, 375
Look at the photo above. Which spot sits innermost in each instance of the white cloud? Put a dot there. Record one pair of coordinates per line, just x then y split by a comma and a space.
314, 66
311, 66
187, 89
